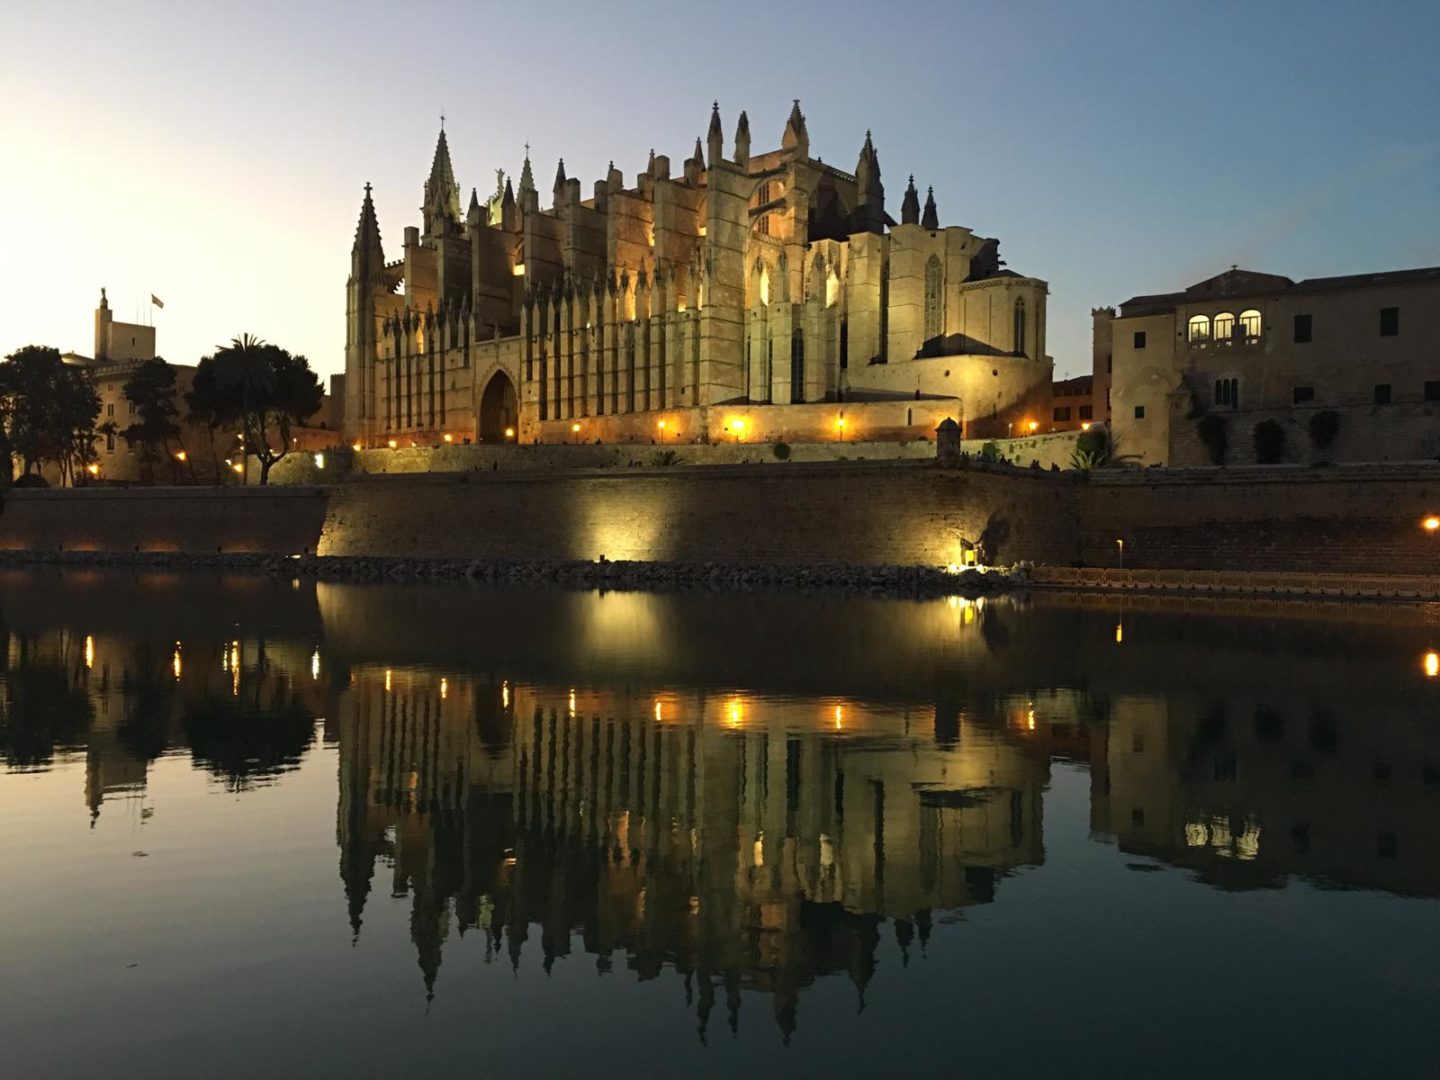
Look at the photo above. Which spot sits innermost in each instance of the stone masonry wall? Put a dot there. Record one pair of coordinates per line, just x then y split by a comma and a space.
1361, 519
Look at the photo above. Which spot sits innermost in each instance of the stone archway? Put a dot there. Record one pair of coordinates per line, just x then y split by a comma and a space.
498, 411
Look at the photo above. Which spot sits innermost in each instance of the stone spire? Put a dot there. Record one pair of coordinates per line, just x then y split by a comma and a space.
527, 177
474, 216
715, 137
742, 139
910, 207
796, 138
699, 156
930, 219
871, 190
367, 256
442, 194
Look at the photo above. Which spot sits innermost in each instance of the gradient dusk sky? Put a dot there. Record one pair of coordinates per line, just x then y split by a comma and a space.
214, 154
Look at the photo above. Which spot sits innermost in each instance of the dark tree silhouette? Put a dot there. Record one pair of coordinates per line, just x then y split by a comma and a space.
151, 390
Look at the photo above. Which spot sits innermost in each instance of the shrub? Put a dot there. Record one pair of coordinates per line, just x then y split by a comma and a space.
990, 452
1324, 426
1214, 434
662, 458
781, 450
1094, 449
1269, 439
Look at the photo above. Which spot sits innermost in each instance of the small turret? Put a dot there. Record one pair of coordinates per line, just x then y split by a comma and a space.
559, 189
796, 138
871, 190
442, 194
527, 194
910, 207
367, 255
930, 219
742, 140
715, 137
475, 216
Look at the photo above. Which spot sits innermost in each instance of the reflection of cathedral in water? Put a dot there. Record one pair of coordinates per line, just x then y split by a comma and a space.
746, 845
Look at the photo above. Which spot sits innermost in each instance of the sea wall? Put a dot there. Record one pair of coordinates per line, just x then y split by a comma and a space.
1361, 518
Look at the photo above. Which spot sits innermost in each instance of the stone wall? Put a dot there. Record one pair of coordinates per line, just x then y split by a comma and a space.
1404, 431
875, 513
278, 520
1361, 519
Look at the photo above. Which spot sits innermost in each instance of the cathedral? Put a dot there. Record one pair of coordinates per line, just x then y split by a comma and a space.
755, 296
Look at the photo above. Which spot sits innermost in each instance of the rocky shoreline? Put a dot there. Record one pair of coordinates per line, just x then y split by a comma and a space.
900, 581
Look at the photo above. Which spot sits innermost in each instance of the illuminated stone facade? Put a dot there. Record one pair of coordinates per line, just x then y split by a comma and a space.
758, 279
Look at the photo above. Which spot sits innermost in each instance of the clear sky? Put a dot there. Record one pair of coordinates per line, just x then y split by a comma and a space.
214, 153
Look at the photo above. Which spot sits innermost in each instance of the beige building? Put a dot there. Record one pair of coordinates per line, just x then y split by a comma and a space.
1248, 347
754, 295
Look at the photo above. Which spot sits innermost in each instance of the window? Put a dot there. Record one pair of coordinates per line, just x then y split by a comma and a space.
1250, 325
933, 297
1382, 393
797, 367
1303, 394
1087, 412
1139, 412
1302, 329
1139, 339
1389, 321
1224, 327
109, 442
1227, 392
1020, 327
1432, 391
1062, 413
1199, 329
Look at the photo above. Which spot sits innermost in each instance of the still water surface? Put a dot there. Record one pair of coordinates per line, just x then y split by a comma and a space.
260, 827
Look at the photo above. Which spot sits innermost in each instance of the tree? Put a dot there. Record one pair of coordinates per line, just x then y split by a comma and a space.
151, 390
262, 389
1214, 434
48, 409
1269, 439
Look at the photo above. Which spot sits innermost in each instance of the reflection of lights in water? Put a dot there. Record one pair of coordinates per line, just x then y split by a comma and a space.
1432, 664
758, 855
1119, 633
572, 703
175, 661
735, 713
387, 680
1030, 716
89, 651
659, 713
315, 664
444, 689
505, 693
839, 717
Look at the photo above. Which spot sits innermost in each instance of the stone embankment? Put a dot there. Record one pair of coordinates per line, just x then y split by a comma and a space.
606, 575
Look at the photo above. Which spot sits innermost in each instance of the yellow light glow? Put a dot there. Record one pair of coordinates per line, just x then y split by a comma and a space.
1119, 633
238, 467
319, 461
518, 270
735, 713
659, 712
93, 469
1430, 524
572, 702
1432, 664
89, 651
180, 455
661, 425
702, 230
315, 664
840, 423
444, 689
1034, 425
392, 444
839, 717
1030, 716
505, 694
387, 680
175, 664
1085, 426
355, 447
574, 427
448, 437
509, 432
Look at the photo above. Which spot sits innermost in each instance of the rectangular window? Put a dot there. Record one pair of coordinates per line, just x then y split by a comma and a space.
1139, 412
1432, 391
1139, 339
1302, 329
1062, 414
1087, 412
1382, 393
1389, 321
1303, 394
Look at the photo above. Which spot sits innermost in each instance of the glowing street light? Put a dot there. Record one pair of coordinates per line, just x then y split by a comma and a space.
509, 433
1034, 426
1120, 547
1431, 664
840, 427
661, 426
1430, 523
180, 455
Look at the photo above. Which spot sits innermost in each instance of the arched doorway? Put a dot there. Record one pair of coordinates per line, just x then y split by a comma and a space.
498, 413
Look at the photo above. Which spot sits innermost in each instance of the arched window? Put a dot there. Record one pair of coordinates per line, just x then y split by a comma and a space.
1020, 327
934, 282
797, 367
832, 289
1224, 327
1227, 392
1250, 324
764, 286
1199, 329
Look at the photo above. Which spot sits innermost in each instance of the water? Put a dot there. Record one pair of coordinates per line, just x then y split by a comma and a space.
267, 827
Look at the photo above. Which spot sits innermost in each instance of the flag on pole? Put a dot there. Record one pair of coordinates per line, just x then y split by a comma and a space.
156, 301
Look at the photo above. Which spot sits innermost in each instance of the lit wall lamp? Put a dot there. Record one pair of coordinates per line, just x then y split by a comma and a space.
1120, 547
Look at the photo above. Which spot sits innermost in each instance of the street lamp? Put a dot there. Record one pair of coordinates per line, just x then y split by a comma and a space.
1120, 547
840, 427
661, 426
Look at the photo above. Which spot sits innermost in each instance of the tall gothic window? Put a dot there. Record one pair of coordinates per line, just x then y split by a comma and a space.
797, 367
1020, 327
934, 315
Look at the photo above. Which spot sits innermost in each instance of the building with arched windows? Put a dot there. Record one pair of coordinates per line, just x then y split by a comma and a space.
762, 293
1249, 349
